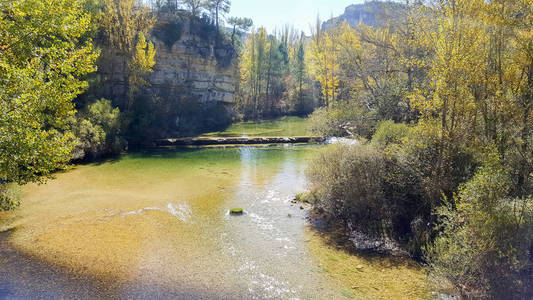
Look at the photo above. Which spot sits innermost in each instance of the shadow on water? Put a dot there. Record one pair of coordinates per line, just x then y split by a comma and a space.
333, 234
24, 276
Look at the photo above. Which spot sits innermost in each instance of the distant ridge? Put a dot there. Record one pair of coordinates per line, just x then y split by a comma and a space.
372, 13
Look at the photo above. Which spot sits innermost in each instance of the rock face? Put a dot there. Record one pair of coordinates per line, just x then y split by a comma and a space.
192, 87
375, 13
194, 62
190, 58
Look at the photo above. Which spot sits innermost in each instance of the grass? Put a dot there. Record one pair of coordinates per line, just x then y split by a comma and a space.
284, 127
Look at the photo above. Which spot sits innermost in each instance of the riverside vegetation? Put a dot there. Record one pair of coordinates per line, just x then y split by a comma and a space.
441, 100
438, 95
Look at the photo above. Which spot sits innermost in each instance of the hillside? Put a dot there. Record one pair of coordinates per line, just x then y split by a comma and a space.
374, 13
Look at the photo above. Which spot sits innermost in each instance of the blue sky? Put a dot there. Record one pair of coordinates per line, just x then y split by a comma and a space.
276, 13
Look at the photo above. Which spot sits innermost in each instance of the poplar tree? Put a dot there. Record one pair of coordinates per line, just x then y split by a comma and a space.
125, 24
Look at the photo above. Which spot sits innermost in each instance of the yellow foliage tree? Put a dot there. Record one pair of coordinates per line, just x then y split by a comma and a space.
125, 24
253, 66
480, 76
141, 63
324, 60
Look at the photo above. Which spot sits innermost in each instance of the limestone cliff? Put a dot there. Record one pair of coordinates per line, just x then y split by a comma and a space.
199, 63
192, 86
372, 13
190, 59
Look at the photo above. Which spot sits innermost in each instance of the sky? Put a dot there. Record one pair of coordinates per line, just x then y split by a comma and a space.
274, 14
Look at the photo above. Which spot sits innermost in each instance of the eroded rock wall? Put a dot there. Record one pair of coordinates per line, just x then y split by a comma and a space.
196, 62
192, 86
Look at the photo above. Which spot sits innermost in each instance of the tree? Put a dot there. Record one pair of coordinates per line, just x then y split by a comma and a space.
43, 54
195, 6
125, 24
141, 63
324, 62
221, 7
479, 78
477, 94
97, 130
274, 77
300, 73
238, 24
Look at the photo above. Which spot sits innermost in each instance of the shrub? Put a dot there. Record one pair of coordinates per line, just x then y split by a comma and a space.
376, 193
484, 248
391, 186
389, 132
97, 130
347, 181
442, 164
9, 196
342, 119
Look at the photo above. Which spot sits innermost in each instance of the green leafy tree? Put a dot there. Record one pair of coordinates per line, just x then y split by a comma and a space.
43, 55
97, 130
300, 74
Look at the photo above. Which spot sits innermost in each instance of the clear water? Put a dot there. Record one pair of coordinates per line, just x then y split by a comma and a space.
156, 225
285, 127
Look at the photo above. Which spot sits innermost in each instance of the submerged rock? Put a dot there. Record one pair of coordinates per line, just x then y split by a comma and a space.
236, 211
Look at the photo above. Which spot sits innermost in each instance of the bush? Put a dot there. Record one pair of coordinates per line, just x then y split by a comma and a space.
375, 193
342, 119
9, 196
388, 133
442, 164
97, 130
484, 248
391, 186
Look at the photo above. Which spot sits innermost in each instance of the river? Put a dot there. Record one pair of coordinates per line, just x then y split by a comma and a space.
155, 224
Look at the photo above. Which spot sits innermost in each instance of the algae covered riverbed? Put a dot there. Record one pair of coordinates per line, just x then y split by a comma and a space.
157, 225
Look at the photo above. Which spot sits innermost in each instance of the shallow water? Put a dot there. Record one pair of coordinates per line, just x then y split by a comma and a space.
156, 225
284, 127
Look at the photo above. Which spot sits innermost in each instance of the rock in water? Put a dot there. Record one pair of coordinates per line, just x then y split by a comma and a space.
236, 211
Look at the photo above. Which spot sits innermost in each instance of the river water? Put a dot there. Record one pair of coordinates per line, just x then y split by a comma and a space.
156, 225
